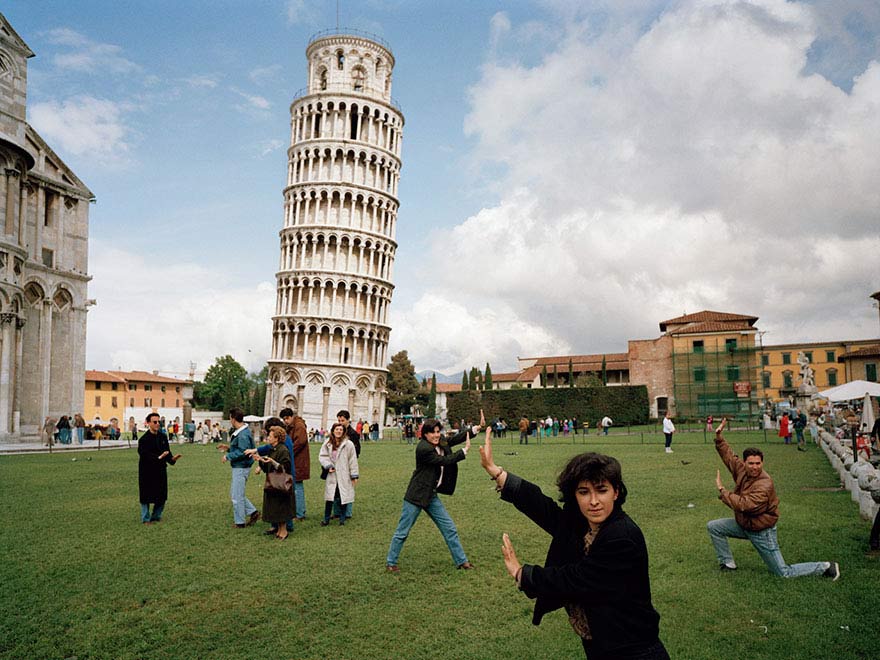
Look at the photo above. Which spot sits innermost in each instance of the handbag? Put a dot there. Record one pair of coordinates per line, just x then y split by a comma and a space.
279, 482
324, 473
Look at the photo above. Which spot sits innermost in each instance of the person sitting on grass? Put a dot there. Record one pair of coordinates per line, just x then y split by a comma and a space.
755, 509
436, 472
597, 563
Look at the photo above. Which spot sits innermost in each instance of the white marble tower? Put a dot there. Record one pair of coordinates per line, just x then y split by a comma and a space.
330, 329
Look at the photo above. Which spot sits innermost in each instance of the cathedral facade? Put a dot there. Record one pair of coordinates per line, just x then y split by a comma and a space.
334, 282
44, 212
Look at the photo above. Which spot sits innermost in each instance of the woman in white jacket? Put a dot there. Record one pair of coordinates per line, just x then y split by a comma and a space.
339, 460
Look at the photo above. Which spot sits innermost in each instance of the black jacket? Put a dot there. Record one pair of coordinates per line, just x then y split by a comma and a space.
355, 438
423, 483
152, 470
610, 583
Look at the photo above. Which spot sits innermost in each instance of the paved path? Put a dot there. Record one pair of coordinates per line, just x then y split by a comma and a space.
7, 448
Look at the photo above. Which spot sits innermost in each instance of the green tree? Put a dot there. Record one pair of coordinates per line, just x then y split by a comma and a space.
226, 386
604, 372
544, 376
432, 398
555, 376
487, 380
474, 378
257, 386
465, 385
403, 386
570, 374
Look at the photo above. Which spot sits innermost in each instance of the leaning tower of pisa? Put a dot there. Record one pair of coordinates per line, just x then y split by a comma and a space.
330, 329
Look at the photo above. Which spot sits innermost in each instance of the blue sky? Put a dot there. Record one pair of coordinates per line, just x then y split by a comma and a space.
573, 172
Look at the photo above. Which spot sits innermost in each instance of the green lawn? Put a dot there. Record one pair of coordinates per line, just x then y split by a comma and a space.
81, 577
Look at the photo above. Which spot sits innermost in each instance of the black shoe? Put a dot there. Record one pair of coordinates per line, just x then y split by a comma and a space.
255, 516
271, 531
324, 523
832, 571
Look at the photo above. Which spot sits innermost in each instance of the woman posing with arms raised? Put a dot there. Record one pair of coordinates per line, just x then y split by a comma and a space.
597, 564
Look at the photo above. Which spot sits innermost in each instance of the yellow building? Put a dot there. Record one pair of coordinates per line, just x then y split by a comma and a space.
105, 396
780, 371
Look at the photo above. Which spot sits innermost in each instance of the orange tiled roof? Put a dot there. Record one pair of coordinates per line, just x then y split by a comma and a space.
505, 377
102, 377
707, 315
448, 387
148, 377
867, 351
711, 326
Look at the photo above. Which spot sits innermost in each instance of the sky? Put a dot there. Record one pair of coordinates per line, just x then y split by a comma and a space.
574, 172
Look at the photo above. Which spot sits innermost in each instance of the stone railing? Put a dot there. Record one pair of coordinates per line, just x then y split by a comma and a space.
857, 475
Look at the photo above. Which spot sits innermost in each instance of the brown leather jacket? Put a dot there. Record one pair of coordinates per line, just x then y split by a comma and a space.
299, 435
754, 501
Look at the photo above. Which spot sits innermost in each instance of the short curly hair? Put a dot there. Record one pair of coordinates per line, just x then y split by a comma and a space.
594, 468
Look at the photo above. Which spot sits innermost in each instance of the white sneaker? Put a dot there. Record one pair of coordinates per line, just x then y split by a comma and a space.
669, 450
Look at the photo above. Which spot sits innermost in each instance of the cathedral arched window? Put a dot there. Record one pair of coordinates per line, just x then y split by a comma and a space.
340, 59
358, 78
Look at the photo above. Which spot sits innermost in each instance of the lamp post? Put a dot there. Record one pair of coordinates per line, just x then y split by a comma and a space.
761, 334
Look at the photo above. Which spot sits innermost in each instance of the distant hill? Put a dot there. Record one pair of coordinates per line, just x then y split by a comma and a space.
441, 378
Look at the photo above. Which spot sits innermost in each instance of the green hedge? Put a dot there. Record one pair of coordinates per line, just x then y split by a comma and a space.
627, 404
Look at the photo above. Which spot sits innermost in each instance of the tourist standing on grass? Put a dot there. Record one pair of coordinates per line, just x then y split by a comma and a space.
436, 472
597, 563
668, 430
756, 510
800, 423
269, 450
784, 431
244, 513
339, 458
606, 424
524, 430
278, 507
154, 457
299, 436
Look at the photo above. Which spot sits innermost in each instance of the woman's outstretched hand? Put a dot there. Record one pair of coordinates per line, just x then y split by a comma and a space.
510, 560
486, 459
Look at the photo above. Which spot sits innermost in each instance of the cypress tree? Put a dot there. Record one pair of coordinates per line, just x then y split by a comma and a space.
464, 381
570, 374
432, 397
555, 376
604, 372
487, 380
544, 376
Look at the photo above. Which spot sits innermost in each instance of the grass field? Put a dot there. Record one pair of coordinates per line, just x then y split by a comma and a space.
81, 577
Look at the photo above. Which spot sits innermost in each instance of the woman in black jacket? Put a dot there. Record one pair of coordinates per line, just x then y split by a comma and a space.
597, 564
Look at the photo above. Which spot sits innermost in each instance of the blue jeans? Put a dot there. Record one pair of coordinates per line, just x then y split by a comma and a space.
765, 543
157, 512
242, 507
437, 512
80, 434
300, 493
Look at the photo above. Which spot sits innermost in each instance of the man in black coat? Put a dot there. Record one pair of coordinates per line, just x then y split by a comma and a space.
154, 458
436, 472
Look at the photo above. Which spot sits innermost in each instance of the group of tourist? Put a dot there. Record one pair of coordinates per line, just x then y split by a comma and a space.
552, 426
69, 429
596, 566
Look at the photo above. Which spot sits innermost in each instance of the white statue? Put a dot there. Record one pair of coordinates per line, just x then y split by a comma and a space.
807, 373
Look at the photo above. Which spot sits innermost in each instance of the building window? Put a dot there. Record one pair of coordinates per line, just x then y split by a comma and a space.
809, 355
177, 403
871, 372
97, 386
177, 389
163, 388
148, 388
730, 345
786, 379
358, 77
113, 402
765, 379
699, 374
162, 402
765, 359
97, 402
48, 258
340, 59
131, 402
832, 377
829, 356
786, 358
148, 402
132, 387
732, 372
698, 345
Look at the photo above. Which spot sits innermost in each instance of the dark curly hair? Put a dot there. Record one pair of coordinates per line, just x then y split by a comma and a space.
594, 468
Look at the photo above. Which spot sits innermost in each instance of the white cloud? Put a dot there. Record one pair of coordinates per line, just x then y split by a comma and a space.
302, 12
262, 75
85, 126
255, 103
268, 146
87, 55
169, 314
666, 170
208, 82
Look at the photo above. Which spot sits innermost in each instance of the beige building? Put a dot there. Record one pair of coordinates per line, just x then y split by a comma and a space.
123, 395
334, 282
44, 213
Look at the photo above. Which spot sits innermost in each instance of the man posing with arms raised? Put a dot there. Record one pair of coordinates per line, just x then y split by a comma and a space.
755, 510
436, 472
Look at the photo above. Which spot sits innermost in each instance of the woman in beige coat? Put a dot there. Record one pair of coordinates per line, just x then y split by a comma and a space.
339, 461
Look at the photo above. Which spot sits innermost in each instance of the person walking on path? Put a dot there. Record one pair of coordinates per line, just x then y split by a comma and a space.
244, 513
436, 472
154, 457
80, 424
756, 510
597, 563
668, 430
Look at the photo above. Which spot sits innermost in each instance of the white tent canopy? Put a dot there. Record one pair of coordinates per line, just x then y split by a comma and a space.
257, 418
851, 391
